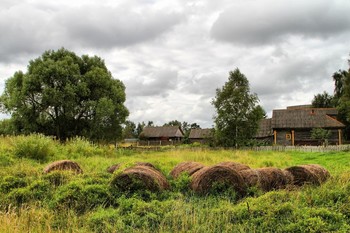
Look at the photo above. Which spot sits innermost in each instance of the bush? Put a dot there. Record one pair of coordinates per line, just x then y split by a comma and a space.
81, 198
6, 160
105, 220
34, 146
57, 178
80, 147
8, 183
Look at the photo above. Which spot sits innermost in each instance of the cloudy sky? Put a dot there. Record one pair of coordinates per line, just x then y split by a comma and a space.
173, 54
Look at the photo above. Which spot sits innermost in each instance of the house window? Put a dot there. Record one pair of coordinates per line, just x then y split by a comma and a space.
288, 136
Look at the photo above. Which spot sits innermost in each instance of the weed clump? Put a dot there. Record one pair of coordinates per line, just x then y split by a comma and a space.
34, 146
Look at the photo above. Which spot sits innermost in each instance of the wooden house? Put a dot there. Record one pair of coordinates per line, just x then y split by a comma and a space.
293, 126
162, 133
200, 135
265, 132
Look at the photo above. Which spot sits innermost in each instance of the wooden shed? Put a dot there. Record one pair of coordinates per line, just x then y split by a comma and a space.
162, 133
200, 135
293, 126
265, 132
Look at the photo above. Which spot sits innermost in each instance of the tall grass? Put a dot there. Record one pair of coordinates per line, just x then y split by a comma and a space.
62, 202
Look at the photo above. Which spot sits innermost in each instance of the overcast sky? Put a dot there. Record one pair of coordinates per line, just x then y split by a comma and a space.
172, 55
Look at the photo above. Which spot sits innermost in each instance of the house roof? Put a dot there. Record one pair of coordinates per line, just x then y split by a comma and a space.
200, 133
265, 129
305, 118
162, 131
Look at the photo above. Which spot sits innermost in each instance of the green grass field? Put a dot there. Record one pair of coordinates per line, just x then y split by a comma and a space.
60, 202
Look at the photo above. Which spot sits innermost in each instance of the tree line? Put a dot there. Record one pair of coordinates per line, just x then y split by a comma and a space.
131, 130
64, 95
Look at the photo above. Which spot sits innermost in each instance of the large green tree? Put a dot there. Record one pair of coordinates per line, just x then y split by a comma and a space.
237, 111
65, 95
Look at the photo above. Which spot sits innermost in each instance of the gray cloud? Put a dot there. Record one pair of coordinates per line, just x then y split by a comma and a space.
29, 29
105, 27
157, 83
257, 22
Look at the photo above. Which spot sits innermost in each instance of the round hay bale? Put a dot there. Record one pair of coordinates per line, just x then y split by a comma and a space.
235, 166
271, 178
320, 171
145, 164
114, 167
308, 174
207, 178
140, 178
63, 165
189, 167
303, 175
289, 177
251, 177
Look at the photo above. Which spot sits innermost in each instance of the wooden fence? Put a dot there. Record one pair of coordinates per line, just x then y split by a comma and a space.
156, 146
301, 148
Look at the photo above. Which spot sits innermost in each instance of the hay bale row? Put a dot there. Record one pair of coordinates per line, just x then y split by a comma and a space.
144, 176
240, 176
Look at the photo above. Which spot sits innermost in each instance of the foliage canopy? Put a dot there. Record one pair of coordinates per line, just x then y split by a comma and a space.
65, 95
237, 113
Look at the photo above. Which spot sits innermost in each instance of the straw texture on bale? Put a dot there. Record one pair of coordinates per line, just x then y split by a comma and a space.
114, 167
308, 174
188, 167
250, 177
271, 178
289, 177
145, 164
235, 166
205, 179
140, 178
321, 172
63, 165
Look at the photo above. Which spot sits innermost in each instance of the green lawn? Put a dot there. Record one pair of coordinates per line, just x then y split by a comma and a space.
60, 202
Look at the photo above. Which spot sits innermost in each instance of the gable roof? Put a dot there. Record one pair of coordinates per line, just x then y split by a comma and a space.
305, 118
200, 133
265, 129
162, 131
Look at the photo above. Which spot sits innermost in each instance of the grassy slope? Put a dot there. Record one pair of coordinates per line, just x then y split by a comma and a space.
84, 203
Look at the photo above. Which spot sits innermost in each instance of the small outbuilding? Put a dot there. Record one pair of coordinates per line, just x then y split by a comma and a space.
200, 135
162, 133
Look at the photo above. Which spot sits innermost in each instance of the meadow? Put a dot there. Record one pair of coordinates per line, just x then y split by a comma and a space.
62, 202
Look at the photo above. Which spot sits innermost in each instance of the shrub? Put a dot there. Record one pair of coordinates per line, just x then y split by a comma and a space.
57, 178
105, 220
81, 147
6, 160
12, 182
81, 198
38, 190
34, 146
